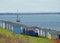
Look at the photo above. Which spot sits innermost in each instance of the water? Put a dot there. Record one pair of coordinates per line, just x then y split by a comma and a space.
43, 21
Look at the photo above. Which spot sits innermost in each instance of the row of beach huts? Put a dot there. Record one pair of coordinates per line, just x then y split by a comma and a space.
32, 31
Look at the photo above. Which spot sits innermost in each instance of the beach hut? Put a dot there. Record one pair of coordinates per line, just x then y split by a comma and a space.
6, 26
58, 36
48, 34
58, 32
51, 34
25, 29
32, 31
44, 32
54, 34
15, 27
11, 27
18, 28
3, 24
40, 31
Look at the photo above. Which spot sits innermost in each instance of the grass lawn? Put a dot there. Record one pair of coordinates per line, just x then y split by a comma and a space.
7, 36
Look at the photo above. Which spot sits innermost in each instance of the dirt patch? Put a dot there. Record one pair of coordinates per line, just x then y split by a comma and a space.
57, 40
13, 39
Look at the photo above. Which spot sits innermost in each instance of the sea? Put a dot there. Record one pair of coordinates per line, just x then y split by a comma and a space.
51, 21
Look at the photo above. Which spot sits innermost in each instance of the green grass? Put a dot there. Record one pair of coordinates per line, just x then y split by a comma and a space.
36, 39
5, 32
9, 37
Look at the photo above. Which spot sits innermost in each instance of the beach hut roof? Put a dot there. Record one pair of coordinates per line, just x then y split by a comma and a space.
35, 27
14, 24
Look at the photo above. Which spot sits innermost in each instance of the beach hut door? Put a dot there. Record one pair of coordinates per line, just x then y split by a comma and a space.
59, 36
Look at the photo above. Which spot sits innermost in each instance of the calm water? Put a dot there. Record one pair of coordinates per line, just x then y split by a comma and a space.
43, 21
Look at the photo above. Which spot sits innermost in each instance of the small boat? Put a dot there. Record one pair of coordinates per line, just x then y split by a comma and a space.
18, 19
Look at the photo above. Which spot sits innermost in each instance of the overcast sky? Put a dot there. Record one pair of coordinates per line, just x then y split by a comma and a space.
30, 5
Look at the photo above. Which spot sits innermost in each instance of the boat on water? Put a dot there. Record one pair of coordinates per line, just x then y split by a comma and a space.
18, 19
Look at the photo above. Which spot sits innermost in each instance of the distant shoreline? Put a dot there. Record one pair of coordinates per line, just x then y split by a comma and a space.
53, 13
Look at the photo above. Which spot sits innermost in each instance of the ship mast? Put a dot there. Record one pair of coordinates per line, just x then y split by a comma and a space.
18, 19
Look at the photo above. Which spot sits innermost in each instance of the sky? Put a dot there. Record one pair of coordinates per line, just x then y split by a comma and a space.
30, 5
